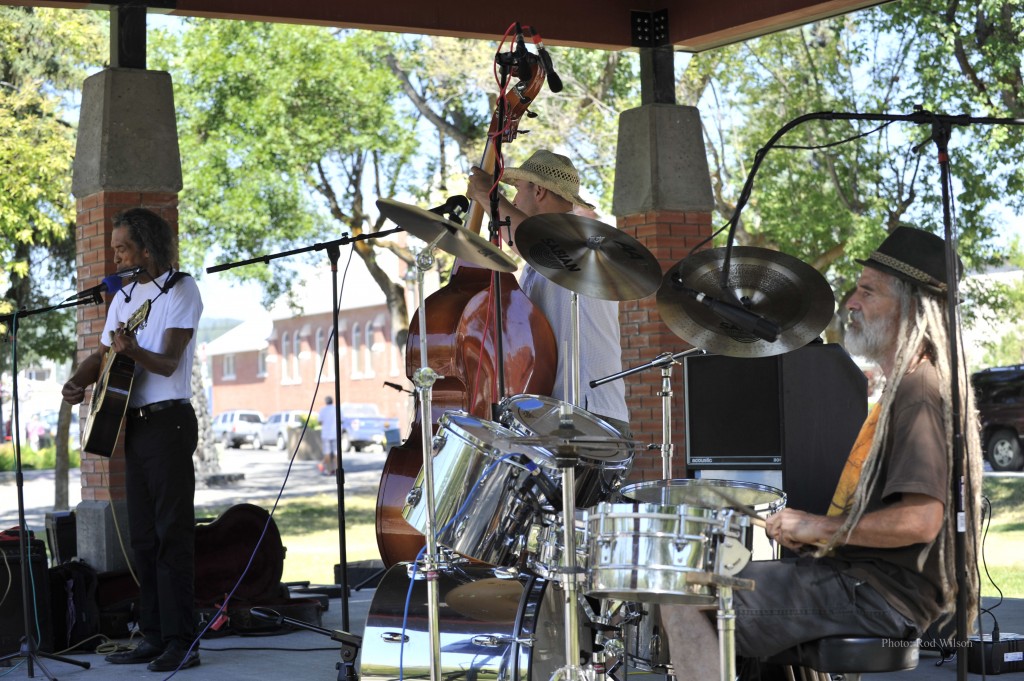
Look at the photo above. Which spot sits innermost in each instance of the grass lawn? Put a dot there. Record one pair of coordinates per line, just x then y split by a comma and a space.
309, 529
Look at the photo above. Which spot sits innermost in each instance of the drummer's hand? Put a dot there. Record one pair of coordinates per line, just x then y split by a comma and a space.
796, 530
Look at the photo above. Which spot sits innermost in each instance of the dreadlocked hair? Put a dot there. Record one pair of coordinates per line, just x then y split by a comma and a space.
923, 336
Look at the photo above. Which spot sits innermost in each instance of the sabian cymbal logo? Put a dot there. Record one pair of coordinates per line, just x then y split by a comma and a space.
548, 253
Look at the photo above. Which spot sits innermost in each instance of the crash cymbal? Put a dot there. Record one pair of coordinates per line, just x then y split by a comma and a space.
789, 295
455, 239
588, 256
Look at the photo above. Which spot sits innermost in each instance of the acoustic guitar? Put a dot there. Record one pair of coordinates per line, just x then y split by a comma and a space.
110, 396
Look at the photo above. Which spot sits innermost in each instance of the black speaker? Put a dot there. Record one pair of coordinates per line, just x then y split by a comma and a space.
12, 623
798, 413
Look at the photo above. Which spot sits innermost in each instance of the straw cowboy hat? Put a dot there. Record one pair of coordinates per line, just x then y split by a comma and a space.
552, 171
915, 256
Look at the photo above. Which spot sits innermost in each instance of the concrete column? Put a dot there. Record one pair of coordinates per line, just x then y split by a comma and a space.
126, 156
663, 198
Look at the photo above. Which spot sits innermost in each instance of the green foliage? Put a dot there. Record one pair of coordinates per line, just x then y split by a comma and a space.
829, 205
44, 56
279, 127
35, 459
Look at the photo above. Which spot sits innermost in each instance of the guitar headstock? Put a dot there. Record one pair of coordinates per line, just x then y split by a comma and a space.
138, 317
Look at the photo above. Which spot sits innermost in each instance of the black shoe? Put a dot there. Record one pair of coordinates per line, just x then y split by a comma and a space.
177, 656
144, 652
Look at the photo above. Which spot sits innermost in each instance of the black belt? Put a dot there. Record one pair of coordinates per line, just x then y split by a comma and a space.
144, 411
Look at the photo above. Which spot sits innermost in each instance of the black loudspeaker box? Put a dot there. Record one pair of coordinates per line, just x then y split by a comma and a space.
798, 413
12, 623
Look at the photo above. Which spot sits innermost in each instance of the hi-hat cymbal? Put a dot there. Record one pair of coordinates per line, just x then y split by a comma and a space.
455, 239
588, 257
780, 288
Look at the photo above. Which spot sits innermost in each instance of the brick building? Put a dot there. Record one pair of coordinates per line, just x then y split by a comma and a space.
274, 362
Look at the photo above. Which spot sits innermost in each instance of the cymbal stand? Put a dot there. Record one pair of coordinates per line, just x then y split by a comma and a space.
665, 361
565, 458
572, 394
424, 379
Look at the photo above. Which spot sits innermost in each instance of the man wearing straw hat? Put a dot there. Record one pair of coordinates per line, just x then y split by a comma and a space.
548, 183
880, 563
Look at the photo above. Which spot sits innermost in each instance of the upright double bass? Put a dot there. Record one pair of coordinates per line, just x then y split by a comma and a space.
462, 342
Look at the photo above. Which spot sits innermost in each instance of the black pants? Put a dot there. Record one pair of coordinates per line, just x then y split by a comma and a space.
161, 488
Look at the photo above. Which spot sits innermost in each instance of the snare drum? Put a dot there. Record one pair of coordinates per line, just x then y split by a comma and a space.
599, 471
485, 499
707, 493
490, 628
655, 553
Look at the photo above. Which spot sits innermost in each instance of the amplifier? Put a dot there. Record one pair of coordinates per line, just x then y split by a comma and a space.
12, 621
1004, 656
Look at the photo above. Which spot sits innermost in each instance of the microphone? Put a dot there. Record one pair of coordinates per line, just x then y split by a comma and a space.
740, 317
110, 284
454, 208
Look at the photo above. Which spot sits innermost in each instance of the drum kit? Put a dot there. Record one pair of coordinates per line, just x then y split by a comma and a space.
540, 563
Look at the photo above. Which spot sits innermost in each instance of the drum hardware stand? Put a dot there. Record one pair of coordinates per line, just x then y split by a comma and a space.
424, 379
665, 362
350, 643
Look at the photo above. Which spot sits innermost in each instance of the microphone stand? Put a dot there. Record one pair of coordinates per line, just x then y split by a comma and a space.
29, 649
941, 125
333, 249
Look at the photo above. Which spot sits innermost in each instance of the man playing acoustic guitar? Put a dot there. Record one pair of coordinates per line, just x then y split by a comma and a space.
161, 433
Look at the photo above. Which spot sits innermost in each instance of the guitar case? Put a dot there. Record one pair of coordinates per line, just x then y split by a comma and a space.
224, 548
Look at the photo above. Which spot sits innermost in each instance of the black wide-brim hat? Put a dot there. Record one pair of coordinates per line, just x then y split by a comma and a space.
915, 256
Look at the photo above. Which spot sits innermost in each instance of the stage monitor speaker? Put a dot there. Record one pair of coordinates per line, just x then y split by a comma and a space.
798, 413
12, 623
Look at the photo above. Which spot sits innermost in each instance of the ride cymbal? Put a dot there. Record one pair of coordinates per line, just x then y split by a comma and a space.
455, 239
792, 299
588, 257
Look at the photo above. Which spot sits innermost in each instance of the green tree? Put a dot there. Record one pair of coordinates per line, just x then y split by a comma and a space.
829, 204
282, 128
44, 56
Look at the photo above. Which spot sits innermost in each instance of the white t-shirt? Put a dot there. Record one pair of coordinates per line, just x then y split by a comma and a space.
178, 308
600, 347
328, 422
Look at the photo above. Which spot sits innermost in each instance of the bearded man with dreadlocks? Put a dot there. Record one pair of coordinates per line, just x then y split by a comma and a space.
881, 563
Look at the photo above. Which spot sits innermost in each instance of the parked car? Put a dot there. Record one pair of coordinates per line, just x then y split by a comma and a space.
999, 394
275, 428
237, 427
362, 426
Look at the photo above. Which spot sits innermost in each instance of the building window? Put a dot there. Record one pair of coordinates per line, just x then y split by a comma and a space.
228, 374
285, 346
369, 349
325, 355
357, 355
261, 363
296, 349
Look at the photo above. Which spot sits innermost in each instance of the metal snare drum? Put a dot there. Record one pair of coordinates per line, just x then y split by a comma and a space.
599, 471
707, 493
658, 553
485, 499
490, 627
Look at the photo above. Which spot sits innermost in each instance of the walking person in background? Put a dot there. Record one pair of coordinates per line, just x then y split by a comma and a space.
328, 436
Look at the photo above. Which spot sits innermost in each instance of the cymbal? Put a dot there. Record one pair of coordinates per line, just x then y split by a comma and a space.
588, 257
780, 288
454, 239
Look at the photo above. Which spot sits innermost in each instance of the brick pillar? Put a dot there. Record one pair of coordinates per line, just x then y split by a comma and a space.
662, 198
670, 236
126, 157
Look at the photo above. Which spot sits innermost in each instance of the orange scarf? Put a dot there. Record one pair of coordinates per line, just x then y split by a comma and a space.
843, 497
